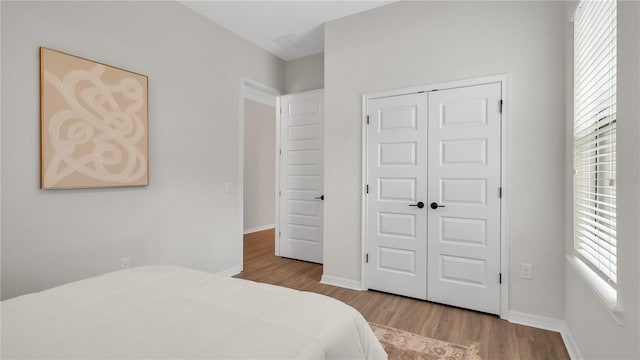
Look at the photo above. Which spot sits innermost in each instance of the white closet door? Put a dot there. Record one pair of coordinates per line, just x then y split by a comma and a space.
397, 173
464, 179
301, 176
440, 149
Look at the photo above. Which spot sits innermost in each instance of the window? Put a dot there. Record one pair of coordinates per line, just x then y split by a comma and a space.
594, 157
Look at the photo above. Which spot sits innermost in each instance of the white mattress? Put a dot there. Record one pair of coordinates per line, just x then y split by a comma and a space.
171, 312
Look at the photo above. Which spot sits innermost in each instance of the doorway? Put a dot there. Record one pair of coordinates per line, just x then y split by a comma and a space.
433, 201
259, 165
257, 155
295, 208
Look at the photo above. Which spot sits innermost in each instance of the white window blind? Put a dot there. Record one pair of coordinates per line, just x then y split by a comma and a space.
595, 136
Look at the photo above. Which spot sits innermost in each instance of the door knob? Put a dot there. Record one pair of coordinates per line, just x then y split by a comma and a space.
420, 205
321, 197
434, 205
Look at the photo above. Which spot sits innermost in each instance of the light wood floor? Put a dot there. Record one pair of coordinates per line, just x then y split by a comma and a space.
497, 339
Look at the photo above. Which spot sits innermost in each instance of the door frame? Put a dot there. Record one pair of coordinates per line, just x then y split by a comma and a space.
504, 201
278, 147
252, 90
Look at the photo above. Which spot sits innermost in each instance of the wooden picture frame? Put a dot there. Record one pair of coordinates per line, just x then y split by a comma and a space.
93, 124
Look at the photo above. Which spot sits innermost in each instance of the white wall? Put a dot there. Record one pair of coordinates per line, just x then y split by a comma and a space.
259, 165
414, 43
184, 216
596, 333
303, 74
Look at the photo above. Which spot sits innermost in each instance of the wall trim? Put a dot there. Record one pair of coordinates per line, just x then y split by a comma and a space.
259, 228
570, 343
551, 324
244, 85
276, 190
259, 96
230, 271
537, 321
341, 282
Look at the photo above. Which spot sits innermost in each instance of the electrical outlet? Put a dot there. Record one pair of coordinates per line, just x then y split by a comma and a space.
526, 271
125, 263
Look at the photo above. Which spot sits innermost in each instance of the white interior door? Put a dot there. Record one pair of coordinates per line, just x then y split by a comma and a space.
397, 169
442, 149
301, 176
464, 179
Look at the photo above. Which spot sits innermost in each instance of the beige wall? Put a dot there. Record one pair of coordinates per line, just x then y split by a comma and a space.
185, 216
259, 165
303, 74
596, 333
413, 43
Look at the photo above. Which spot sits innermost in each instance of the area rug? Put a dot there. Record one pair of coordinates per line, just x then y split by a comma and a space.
403, 345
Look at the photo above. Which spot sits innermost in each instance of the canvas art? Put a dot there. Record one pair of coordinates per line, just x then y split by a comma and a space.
93, 124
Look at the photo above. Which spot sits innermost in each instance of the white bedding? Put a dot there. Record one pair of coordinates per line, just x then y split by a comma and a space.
171, 312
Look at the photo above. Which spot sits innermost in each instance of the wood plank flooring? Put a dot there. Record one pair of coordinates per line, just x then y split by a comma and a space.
496, 339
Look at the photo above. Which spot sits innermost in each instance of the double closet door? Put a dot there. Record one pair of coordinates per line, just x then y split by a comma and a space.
433, 201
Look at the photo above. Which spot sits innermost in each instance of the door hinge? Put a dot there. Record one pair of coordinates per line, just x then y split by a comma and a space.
279, 234
421, 92
366, 258
367, 188
280, 151
367, 119
500, 192
501, 102
280, 110
280, 193
500, 278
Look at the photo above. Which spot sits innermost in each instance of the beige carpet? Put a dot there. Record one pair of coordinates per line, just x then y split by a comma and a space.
403, 345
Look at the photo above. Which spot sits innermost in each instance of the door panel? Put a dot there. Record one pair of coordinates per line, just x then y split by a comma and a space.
396, 232
464, 169
463, 230
397, 189
464, 271
301, 177
463, 191
397, 260
469, 152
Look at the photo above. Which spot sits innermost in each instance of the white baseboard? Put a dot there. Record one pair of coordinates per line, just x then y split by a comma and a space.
551, 324
231, 271
258, 228
570, 343
341, 282
540, 322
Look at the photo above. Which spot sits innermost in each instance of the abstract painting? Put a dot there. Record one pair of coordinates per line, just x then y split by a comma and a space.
93, 124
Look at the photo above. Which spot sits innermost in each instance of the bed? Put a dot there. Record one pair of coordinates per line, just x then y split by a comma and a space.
166, 312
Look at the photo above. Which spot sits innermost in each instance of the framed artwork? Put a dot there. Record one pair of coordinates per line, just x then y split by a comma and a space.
93, 124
